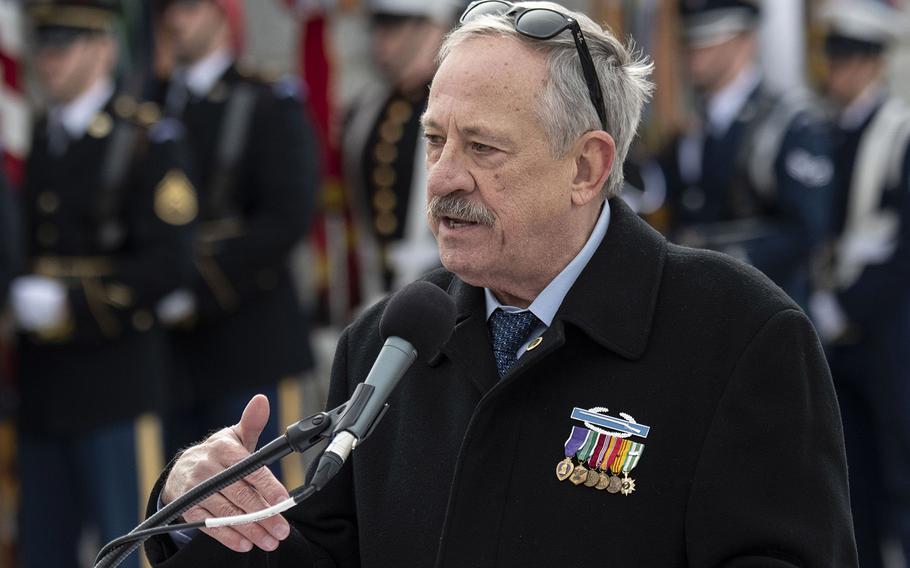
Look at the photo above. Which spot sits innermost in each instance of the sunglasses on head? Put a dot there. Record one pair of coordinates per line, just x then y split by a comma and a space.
544, 23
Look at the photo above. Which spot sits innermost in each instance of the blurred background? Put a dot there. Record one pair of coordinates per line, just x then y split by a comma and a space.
356, 72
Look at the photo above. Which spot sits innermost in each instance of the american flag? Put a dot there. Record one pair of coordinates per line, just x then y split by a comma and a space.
14, 113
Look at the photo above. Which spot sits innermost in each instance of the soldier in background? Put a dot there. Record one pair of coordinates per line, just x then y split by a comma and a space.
107, 210
8, 238
753, 177
240, 327
863, 308
384, 151
9, 266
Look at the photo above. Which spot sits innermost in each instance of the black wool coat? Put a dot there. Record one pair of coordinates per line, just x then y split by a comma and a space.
744, 463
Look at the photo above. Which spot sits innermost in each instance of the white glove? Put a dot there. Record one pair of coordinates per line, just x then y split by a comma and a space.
830, 319
176, 306
38, 302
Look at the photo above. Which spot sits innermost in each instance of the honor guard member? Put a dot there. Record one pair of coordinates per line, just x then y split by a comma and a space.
9, 234
862, 309
9, 267
384, 152
580, 337
107, 212
752, 177
240, 327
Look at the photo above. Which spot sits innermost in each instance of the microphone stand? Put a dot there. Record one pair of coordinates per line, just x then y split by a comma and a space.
299, 437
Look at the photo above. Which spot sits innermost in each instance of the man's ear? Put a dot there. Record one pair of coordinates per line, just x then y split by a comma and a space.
594, 154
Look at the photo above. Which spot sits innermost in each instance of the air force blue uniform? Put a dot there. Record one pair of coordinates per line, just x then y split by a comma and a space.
760, 190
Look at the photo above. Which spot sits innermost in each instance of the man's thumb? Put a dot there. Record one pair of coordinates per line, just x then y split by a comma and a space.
254, 418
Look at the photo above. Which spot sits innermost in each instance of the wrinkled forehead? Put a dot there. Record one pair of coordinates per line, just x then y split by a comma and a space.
497, 76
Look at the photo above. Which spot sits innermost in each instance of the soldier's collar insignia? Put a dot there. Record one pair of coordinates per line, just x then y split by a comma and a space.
100, 125
598, 452
175, 199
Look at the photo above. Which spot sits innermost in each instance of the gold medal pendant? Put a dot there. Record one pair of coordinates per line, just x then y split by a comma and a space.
603, 482
579, 475
628, 484
592, 478
564, 469
615, 485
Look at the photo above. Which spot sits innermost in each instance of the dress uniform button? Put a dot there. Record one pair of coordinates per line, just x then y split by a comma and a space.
148, 113
125, 106
143, 320
385, 153
385, 199
391, 131
100, 126
386, 223
48, 234
384, 176
48, 202
401, 111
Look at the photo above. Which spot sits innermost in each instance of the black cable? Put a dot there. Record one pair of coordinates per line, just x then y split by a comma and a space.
299, 495
298, 437
144, 535
277, 448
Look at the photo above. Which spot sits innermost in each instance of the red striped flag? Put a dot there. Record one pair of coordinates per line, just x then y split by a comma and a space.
14, 114
332, 235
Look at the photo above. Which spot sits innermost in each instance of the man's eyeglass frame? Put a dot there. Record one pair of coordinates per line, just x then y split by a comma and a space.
526, 27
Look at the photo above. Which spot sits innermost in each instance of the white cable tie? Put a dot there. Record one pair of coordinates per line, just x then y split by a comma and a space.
250, 517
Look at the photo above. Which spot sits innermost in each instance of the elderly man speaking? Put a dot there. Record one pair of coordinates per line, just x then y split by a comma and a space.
606, 398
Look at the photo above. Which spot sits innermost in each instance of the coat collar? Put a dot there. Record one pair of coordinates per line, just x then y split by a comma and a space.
613, 300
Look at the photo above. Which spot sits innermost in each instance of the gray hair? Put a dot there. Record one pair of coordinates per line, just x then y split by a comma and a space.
565, 110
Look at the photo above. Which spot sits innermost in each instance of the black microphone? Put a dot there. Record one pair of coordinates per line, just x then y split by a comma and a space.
417, 321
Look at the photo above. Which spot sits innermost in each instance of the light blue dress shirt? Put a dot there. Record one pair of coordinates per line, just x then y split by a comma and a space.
546, 304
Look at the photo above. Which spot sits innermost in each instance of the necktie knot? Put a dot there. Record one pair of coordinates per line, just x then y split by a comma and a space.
509, 331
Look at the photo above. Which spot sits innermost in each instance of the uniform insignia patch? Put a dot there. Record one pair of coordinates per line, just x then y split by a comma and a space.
175, 199
813, 171
597, 453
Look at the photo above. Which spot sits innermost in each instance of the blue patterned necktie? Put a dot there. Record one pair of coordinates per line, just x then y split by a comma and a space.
509, 331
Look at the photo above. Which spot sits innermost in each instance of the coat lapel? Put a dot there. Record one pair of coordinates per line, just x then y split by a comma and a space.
614, 298
469, 347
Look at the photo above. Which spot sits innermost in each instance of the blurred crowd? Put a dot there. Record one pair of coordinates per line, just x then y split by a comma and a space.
184, 230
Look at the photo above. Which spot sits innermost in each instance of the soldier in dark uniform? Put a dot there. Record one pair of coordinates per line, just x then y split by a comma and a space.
107, 212
383, 145
9, 262
862, 309
752, 178
240, 327
8, 236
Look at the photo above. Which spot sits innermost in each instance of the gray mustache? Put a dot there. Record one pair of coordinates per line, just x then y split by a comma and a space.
459, 208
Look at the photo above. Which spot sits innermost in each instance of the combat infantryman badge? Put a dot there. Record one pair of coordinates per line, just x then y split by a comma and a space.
596, 455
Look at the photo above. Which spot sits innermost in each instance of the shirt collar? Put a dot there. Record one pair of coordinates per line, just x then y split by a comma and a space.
76, 115
858, 111
725, 105
548, 301
200, 77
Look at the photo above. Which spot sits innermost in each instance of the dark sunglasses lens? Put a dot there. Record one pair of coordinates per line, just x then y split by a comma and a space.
493, 8
541, 23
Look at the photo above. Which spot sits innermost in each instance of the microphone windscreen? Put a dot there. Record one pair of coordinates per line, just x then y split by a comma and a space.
422, 314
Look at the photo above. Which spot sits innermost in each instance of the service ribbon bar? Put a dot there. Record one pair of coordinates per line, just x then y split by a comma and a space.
617, 424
